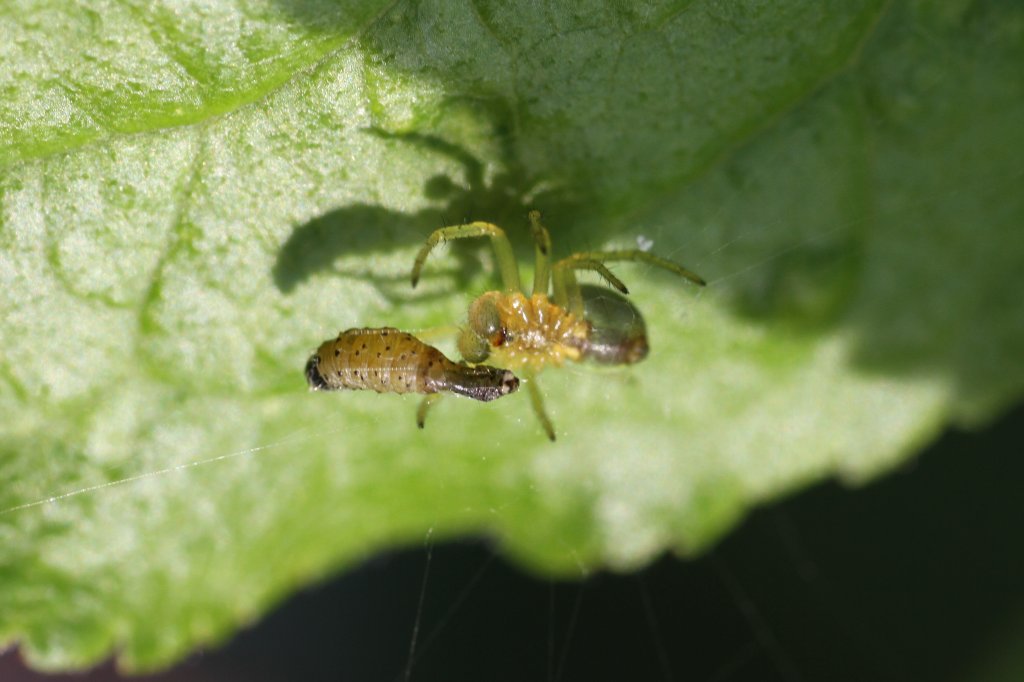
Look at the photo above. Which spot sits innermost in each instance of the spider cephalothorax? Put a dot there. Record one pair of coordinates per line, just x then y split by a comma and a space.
523, 332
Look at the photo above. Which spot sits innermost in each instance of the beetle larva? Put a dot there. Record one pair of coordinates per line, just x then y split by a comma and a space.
387, 360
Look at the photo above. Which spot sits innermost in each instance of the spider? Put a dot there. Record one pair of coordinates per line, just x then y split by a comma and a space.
529, 333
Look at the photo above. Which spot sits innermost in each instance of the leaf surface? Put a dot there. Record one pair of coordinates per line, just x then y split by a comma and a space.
192, 199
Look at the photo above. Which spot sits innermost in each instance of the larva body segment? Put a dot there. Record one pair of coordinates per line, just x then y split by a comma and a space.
387, 360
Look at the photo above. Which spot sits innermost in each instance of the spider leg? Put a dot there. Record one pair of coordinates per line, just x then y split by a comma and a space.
567, 289
537, 402
503, 254
542, 242
578, 262
425, 404
635, 255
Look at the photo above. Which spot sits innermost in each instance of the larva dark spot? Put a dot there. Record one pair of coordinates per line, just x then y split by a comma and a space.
364, 346
337, 352
387, 348
378, 355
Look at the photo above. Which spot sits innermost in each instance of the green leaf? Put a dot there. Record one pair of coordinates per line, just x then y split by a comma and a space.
191, 200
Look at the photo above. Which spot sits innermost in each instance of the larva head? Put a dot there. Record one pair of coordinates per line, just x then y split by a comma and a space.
313, 377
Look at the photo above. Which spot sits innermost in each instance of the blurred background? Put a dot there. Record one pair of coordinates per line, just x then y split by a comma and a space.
917, 576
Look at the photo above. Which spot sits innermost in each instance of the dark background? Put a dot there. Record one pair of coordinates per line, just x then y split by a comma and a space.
917, 576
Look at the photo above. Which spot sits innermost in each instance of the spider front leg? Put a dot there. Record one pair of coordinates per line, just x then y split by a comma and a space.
506, 259
537, 402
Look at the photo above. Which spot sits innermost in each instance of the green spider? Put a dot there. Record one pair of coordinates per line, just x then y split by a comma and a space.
529, 333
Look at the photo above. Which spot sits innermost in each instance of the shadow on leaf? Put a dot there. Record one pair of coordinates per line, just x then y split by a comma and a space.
315, 247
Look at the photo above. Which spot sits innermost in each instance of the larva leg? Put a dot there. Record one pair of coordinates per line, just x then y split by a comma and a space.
425, 405
503, 254
542, 243
537, 402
